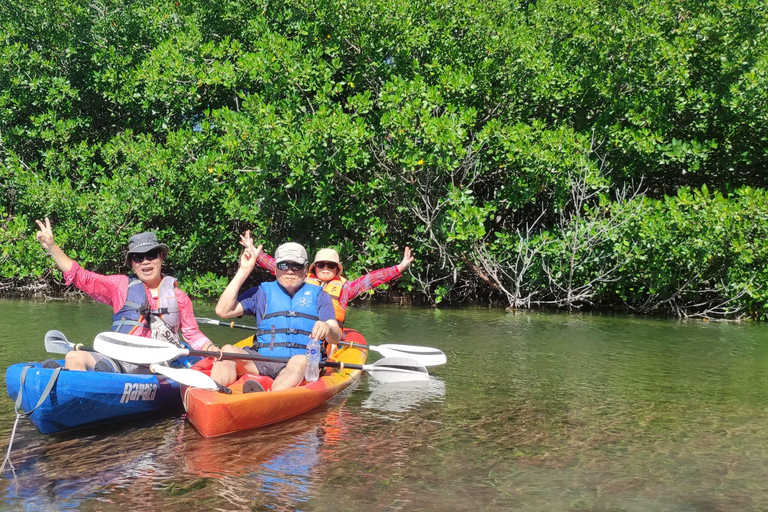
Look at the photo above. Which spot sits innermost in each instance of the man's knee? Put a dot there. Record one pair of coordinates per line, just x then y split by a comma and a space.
297, 361
76, 360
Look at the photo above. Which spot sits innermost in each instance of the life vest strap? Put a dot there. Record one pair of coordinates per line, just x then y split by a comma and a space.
287, 330
272, 344
125, 321
287, 344
290, 314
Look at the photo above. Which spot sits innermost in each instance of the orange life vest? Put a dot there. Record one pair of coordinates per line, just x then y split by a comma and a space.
332, 288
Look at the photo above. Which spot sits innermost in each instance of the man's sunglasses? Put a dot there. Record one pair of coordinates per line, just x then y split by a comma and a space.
290, 265
140, 257
327, 264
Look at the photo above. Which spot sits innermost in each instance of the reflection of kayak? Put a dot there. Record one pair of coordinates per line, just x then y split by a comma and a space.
215, 414
242, 453
83, 399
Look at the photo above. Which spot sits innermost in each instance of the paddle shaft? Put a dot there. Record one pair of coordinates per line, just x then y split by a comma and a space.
418, 353
258, 357
182, 375
138, 350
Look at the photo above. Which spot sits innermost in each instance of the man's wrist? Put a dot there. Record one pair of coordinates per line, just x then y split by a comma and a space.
244, 271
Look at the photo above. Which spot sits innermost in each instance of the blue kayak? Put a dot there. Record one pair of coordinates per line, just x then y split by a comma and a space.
83, 399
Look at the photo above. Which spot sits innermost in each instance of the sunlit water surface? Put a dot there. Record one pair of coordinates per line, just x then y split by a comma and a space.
532, 412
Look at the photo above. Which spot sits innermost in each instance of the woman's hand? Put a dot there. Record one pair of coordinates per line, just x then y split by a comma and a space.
45, 235
407, 260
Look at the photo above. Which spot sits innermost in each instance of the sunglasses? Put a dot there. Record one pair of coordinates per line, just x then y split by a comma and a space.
140, 257
290, 265
327, 264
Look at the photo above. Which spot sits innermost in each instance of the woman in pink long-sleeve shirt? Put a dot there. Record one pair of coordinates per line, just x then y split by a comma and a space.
145, 256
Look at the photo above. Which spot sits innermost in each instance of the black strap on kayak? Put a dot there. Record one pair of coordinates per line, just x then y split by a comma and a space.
17, 407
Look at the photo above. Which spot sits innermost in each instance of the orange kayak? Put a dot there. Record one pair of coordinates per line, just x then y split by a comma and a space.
215, 414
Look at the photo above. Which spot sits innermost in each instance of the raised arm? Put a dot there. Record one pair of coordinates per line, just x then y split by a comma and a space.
263, 259
376, 278
228, 306
407, 260
45, 237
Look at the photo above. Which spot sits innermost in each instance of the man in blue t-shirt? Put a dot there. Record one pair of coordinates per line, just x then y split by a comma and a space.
288, 313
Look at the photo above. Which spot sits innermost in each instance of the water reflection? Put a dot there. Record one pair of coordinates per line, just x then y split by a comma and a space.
400, 397
138, 467
60, 469
279, 461
532, 412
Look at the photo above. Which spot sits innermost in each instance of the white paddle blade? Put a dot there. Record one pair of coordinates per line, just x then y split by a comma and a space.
397, 369
186, 376
425, 355
57, 343
135, 349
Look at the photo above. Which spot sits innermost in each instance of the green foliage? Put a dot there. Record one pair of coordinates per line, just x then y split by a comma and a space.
471, 131
698, 248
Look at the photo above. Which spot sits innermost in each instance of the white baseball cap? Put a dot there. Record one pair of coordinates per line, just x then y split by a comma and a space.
291, 251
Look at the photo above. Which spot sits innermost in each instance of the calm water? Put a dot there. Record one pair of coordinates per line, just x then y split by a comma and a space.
534, 412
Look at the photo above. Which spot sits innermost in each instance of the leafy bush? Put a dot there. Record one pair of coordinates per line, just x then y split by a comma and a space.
492, 137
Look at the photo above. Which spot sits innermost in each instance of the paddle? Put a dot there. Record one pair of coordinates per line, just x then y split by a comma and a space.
57, 343
189, 377
427, 356
136, 350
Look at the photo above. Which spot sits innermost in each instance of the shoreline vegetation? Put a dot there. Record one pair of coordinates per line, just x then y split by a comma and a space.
560, 154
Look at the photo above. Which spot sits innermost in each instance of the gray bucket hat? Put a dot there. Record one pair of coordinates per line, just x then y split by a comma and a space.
144, 242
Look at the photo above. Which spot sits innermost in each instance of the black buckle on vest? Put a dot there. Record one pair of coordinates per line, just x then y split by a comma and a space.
290, 330
145, 311
291, 314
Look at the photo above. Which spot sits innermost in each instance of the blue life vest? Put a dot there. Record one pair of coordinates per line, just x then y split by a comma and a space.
136, 311
288, 321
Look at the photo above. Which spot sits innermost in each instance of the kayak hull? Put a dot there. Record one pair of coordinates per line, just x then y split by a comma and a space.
215, 414
85, 399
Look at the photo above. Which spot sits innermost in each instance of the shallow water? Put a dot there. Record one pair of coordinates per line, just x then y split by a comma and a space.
532, 412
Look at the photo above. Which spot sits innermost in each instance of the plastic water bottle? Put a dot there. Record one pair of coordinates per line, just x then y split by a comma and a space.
312, 373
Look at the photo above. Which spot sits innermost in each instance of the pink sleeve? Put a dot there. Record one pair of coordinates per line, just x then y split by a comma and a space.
370, 281
111, 290
189, 328
266, 261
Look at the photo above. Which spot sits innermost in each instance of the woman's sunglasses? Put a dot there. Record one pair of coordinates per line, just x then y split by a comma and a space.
290, 265
327, 264
140, 257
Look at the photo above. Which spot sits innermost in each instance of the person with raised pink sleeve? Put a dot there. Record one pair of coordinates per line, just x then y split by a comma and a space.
326, 271
144, 303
